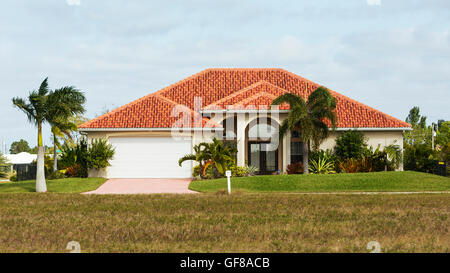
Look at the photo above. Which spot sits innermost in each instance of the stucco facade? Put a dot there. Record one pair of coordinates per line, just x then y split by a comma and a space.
374, 137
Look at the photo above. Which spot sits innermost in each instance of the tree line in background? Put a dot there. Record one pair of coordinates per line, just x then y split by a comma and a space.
425, 144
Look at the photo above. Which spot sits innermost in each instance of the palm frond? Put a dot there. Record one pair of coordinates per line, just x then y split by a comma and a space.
27, 108
288, 98
186, 158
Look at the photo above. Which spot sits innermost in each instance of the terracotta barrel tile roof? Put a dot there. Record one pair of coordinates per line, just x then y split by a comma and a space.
232, 89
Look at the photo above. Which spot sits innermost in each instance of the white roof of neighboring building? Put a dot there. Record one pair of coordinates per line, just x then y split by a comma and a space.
21, 158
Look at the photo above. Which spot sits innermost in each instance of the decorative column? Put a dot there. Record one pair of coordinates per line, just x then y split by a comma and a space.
240, 139
286, 151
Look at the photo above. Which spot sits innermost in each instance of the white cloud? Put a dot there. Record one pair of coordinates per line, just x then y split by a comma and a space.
374, 2
73, 2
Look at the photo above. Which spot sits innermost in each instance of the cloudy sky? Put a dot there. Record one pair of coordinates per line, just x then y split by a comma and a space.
391, 55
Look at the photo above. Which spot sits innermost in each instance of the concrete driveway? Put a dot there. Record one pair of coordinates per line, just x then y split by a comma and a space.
143, 186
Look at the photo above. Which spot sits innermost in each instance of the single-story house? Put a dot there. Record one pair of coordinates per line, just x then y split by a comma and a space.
21, 160
150, 134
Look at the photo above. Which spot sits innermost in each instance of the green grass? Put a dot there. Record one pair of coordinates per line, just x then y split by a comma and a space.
219, 223
67, 185
381, 181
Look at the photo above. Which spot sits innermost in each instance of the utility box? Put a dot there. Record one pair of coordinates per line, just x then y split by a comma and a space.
441, 168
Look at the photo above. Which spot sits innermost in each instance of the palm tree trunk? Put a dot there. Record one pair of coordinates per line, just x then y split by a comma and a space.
55, 155
305, 158
41, 186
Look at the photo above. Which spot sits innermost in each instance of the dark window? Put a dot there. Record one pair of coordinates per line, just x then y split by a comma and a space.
296, 152
295, 134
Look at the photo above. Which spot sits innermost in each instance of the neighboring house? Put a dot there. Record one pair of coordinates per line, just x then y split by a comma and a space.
229, 103
21, 160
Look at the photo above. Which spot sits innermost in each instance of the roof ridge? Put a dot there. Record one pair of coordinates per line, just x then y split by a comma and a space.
243, 90
350, 99
255, 96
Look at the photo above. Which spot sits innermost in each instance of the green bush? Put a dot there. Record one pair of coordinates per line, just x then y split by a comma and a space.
79, 159
13, 178
57, 175
238, 171
74, 159
351, 144
100, 152
419, 157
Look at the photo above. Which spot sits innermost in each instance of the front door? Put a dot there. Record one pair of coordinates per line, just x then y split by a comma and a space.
263, 156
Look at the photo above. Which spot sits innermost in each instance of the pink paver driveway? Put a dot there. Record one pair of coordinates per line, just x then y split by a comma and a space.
143, 186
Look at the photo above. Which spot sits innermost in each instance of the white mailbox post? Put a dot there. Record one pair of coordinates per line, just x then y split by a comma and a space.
228, 175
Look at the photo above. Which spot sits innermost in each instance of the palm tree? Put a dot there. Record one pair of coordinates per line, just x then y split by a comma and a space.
310, 118
214, 153
60, 129
46, 106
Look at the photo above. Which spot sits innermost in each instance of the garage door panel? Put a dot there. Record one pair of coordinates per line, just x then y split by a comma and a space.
150, 157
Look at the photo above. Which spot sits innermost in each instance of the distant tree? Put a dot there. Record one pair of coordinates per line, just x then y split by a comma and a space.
414, 116
19, 147
420, 132
3, 166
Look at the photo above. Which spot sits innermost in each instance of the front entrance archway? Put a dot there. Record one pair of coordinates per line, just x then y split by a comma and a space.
261, 151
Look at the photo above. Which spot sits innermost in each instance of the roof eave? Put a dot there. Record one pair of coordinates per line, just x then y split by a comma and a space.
147, 129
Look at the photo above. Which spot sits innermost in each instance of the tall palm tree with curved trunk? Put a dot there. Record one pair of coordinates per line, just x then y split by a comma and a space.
49, 106
310, 118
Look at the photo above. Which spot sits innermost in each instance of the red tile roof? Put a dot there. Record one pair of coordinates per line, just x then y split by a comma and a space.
235, 89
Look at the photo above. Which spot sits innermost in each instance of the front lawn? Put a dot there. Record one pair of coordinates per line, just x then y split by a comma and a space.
220, 223
67, 185
381, 181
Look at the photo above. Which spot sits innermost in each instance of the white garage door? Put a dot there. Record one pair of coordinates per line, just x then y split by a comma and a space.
149, 157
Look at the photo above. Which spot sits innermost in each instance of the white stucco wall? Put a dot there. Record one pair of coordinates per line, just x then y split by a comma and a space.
374, 138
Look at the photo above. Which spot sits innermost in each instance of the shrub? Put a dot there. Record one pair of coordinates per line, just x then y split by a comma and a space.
325, 156
322, 166
76, 171
350, 165
252, 170
57, 175
351, 144
100, 152
13, 178
74, 159
80, 158
295, 168
239, 171
419, 157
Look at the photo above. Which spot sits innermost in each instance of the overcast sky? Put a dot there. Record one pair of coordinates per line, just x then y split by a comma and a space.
391, 55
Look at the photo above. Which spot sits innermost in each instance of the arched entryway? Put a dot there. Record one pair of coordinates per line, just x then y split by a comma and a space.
263, 147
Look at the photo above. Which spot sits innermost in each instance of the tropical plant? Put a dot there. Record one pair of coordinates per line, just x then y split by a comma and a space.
59, 130
295, 168
100, 153
42, 106
214, 153
350, 144
394, 155
350, 165
75, 158
310, 117
323, 165
252, 170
